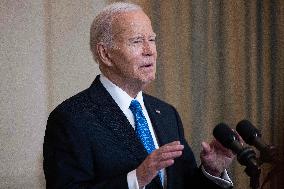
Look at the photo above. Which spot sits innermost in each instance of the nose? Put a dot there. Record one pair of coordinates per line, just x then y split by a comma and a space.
149, 48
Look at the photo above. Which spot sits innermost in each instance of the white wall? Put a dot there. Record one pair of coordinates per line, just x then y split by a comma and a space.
44, 58
70, 64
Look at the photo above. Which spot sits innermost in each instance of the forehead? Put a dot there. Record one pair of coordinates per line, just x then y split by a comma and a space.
131, 23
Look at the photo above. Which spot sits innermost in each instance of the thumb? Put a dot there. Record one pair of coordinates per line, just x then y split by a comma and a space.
205, 147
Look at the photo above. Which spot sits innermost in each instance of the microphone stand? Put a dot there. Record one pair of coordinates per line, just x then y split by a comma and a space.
254, 174
271, 155
248, 158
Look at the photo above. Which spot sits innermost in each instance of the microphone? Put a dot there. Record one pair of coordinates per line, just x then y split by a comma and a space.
245, 155
252, 136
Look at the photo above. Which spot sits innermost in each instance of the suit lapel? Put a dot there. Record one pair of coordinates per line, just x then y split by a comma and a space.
156, 118
162, 129
158, 121
112, 117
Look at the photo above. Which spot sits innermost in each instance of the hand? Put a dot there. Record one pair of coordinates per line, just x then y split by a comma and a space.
157, 160
215, 158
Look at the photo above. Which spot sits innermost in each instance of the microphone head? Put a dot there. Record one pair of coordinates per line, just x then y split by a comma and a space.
247, 131
224, 134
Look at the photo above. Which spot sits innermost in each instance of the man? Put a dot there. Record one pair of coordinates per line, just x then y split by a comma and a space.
112, 135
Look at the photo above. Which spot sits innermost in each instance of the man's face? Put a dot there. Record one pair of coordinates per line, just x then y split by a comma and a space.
134, 53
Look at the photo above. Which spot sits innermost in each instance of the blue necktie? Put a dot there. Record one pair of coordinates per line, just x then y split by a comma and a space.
142, 129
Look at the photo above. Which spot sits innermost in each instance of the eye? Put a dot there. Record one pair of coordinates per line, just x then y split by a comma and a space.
152, 39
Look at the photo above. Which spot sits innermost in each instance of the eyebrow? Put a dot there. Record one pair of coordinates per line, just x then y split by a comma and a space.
139, 36
136, 37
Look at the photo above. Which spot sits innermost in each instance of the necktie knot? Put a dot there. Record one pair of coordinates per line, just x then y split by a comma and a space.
135, 106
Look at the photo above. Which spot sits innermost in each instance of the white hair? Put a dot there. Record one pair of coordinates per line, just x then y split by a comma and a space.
101, 29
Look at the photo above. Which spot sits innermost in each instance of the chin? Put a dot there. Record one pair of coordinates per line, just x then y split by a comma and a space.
148, 79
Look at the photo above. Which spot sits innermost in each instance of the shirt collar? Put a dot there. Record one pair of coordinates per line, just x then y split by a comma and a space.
122, 99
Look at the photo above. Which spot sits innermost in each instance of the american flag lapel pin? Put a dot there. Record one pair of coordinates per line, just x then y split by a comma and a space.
158, 111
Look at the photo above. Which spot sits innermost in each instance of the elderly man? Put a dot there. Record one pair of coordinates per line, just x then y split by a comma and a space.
112, 135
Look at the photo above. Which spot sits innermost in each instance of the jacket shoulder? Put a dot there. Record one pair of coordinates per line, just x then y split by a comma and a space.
79, 102
158, 102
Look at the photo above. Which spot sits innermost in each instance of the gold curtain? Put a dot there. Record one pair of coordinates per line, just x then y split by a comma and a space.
222, 61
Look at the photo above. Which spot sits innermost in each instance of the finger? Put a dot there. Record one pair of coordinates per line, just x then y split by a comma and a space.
173, 143
205, 147
169, 155
165, 164
171, 148
159, 155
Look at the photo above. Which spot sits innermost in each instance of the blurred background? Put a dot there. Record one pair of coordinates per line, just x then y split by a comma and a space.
218, 61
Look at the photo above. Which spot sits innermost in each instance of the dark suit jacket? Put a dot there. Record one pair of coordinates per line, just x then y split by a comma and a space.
89, 143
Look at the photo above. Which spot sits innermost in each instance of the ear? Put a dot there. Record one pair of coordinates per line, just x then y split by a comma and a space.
103, 53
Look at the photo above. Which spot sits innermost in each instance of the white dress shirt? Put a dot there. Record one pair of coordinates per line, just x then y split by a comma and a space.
123, 100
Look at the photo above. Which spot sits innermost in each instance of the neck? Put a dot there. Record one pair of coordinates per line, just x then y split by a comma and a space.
132, 88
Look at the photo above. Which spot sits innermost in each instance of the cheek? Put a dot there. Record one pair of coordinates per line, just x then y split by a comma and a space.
132, 53
133, 58
135, 52
129, 64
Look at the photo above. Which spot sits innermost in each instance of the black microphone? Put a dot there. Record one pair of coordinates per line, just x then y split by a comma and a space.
245, 155
252, 136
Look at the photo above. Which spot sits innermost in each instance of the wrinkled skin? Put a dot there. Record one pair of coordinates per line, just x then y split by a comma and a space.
131, 65
157, 160
215, 158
